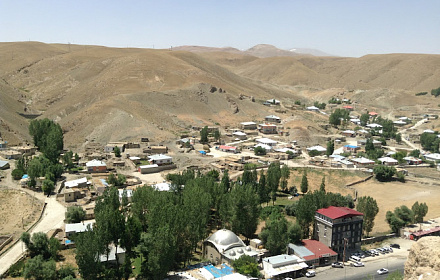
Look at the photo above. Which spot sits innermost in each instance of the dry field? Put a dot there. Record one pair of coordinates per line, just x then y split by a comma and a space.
18, 209
394, 194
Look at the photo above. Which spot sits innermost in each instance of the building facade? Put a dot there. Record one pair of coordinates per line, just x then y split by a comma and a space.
339, 228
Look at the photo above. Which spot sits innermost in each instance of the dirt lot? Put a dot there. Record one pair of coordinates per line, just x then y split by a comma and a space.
18, 209
393, 194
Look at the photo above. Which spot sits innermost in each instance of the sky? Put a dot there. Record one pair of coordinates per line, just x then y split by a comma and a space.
339, 27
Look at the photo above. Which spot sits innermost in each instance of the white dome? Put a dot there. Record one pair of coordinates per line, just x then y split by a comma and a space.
232, 253
248, 248
240, 251
225, 239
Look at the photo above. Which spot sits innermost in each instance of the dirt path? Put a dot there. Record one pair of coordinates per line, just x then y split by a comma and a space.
53, 217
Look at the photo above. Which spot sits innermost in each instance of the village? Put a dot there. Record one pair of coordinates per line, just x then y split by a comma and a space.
354, 143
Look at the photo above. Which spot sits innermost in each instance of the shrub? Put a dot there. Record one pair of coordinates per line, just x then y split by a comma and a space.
422, 93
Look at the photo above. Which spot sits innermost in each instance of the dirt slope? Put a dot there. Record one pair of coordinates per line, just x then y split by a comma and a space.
109, 94
424, 260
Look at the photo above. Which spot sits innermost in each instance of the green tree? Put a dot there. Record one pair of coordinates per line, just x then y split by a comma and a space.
294, 233
245, 210
39, 269
259, 151
414, 153
305, 213
304, 183
394, 222
263, 189
67, 160
40, 244
17, 174
285, 175
274, 233
204, 135
398, 138
430, 142
330, 148
384, 173
246, 265
420, 211
48, 186
217, 135
364, 118
368, 206
48, 137
338, 115
75, 214
117, 151
66, 271
88, 249
273, 179
322, 186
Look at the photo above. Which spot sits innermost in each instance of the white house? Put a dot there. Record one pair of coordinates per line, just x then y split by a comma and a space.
266, 141
273, 101
248, 125
96, 166
432, 157
374, 125
160, 159
313, 109
264, 146
282, 266
240, 135
71, 229
128, 193
163, 187
78, 183
317, 148
388, 161
363, 162
272, 119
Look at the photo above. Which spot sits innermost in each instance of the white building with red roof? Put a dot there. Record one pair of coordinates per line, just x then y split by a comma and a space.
337, 227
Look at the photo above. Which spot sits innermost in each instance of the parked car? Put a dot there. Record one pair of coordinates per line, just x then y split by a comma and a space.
389, 249
338, 265
310, 273
355, 258
397, 246
375, 252
382, 271
357, 264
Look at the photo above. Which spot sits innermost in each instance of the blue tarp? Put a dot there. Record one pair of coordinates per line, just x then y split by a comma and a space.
202, 152
25, 176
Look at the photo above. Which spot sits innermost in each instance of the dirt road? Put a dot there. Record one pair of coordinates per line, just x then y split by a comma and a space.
53, 217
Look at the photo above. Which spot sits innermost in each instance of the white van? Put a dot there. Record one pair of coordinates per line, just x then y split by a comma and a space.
356, 259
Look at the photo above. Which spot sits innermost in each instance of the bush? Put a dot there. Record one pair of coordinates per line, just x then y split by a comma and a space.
384, 173
435, 92
422, 93
17, 174
260, 151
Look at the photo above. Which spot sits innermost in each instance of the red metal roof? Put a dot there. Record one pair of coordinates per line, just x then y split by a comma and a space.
425, 232
373, 114
347, 107
318, 249
338, 212
223, 147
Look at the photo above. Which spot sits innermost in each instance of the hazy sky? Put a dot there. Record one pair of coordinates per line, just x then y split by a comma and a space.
343, 27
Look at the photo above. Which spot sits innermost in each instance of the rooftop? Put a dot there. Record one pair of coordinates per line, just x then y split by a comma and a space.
95, 162
311, 249
159, 157
338, 212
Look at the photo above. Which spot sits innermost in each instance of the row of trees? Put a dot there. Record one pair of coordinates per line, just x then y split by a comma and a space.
403, 216
204, 134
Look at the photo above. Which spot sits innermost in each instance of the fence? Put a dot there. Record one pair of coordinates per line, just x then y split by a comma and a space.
377, 238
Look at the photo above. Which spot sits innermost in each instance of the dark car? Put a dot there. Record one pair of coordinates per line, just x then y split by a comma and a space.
397, 246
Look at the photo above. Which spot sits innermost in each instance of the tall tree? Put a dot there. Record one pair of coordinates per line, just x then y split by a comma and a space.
263, 189
368, 206
89, 247
294, 233
305, 213
75, 214
273, 179
420, 211
274, 233
204, 135
330, 148
245, 210
117, 151
285, 175
322, 186
304, 183
246, 265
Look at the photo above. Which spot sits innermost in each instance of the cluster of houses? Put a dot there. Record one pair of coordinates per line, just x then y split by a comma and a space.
337, 230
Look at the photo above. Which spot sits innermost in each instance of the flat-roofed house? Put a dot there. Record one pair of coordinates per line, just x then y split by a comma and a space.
160, 159
248, 125
283, 266
267, 128
389, 161
272, 119
96, 166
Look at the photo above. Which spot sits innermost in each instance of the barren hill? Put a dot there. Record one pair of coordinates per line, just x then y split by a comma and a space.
109, 94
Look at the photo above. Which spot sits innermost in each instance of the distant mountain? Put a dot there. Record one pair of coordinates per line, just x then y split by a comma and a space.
261, 50
265, 50
313, 52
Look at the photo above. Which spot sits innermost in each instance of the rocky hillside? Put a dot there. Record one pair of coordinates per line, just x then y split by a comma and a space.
424, 260
110, 94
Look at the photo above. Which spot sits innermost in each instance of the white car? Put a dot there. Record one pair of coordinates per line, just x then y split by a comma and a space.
310, 273
358, 264
382, 271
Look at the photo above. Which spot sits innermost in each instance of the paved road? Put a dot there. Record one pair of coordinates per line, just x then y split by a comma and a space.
392, 263
53, 217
